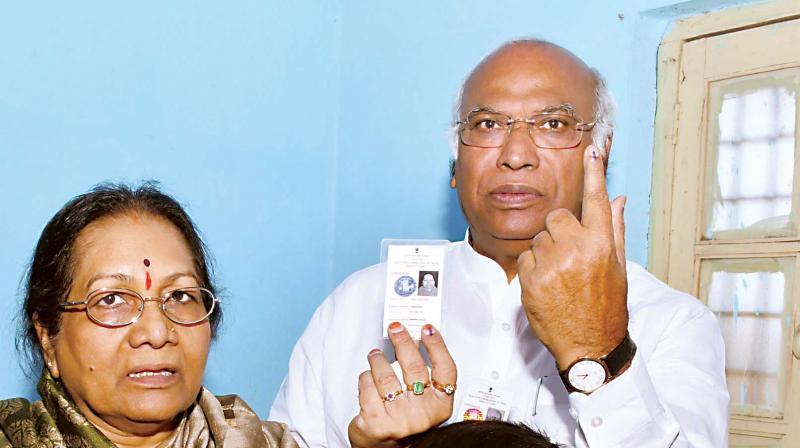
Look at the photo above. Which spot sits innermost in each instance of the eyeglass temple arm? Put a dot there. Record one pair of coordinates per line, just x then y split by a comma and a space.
72, 303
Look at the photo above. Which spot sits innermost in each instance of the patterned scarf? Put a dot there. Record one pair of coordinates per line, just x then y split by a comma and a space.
210, 422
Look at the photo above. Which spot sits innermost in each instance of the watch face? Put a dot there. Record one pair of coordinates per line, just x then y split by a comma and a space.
587, 375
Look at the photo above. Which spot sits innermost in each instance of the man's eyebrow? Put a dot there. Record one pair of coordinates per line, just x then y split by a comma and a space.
480, 108
124, 278
568, 108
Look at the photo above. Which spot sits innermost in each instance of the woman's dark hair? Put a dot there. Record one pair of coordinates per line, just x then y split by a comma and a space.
49, 277
480, 434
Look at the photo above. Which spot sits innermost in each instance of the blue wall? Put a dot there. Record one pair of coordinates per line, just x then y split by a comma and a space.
299, 134
233, 110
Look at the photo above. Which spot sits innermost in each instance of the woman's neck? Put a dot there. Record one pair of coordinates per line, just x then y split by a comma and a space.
125, 433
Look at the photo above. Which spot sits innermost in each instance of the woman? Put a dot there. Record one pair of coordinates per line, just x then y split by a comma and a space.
120, 309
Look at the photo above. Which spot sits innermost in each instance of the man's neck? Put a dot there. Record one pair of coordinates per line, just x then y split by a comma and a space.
503, 252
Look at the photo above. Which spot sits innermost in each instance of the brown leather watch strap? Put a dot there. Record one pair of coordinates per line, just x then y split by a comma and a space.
620, 356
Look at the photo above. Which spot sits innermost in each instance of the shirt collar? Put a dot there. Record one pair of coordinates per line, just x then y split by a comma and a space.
482, 269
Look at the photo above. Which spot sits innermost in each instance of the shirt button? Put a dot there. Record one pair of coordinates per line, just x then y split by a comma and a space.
495, 375
597, 421
506, 326
573, 413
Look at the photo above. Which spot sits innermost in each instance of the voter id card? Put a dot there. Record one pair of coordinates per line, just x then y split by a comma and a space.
414, 283
484, 401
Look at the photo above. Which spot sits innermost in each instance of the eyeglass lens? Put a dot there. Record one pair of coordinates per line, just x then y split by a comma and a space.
120, 307
490, 130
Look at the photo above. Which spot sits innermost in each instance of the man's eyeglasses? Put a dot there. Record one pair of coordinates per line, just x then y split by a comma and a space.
487, 129
121, 307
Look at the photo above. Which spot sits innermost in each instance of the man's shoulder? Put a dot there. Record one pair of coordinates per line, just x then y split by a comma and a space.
366, 278
645, 291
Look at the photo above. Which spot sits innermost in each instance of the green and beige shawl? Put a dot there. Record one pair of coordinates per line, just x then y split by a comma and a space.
210, 422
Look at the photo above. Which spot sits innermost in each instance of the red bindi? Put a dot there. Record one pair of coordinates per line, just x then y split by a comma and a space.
148, 282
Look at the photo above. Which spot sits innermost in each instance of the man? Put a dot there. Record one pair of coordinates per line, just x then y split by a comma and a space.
540, 307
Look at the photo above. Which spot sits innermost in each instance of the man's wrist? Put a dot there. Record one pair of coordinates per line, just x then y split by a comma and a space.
588, 374
567, 357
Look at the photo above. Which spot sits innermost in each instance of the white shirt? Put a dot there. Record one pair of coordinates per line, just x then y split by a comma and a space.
673, 395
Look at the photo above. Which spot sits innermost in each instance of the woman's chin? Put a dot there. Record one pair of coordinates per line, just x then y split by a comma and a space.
155, 408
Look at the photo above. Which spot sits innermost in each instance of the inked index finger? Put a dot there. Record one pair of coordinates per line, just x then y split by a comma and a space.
443, 368
596, 209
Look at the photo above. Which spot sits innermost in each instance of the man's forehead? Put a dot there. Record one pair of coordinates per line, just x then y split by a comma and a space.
527, 78
536, 55
574, 102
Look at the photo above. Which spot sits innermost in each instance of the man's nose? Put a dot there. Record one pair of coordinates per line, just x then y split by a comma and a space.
519, 150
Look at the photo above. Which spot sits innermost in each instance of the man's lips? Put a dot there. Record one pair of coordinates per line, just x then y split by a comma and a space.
515, 195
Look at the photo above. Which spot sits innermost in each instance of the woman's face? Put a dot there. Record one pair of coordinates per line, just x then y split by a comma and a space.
134, 379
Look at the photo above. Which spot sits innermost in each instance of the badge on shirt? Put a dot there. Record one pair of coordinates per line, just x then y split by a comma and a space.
414, 274
484, 401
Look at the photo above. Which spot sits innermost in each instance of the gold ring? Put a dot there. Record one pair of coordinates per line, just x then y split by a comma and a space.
448, 389
391, 396
418, 387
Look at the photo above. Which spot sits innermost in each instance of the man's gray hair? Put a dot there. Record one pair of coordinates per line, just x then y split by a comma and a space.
604, 110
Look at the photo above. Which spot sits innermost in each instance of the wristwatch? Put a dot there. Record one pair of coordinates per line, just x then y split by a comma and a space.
586, 375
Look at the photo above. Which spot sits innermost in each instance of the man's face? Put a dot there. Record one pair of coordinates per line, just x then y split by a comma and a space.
507, 192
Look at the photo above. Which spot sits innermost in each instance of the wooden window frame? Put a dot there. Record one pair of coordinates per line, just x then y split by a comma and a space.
667, 119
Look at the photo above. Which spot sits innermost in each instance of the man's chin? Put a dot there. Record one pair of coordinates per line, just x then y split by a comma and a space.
512, 235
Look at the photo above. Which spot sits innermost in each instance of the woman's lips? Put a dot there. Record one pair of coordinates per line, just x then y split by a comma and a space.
156, 376
515, 195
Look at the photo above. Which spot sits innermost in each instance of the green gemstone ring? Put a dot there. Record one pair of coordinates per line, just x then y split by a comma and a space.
417, 387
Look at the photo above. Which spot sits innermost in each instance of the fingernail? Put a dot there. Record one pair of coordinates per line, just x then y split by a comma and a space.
594, 153
428, 329
395, 327
374, 351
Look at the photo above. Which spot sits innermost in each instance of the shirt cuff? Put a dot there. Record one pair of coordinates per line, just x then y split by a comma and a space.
620, 409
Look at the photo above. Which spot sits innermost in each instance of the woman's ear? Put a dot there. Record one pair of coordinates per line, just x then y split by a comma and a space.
48, 350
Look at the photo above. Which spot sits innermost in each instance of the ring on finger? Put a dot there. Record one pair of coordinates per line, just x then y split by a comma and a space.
417, 387
448, 389
391, 396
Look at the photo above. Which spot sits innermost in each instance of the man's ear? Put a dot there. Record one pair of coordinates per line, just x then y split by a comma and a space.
452, 173
608, 149
48, 350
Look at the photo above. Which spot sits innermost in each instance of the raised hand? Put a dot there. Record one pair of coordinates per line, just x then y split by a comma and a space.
574, 285
389, 410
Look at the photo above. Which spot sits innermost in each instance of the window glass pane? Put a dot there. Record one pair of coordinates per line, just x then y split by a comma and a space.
751, 162
751, 297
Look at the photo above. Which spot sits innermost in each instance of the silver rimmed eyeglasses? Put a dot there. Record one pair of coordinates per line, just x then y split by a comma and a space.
120, 307
490, 129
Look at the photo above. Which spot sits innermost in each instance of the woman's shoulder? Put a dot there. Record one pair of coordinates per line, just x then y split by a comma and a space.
278, 435
16, 421
246, 428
